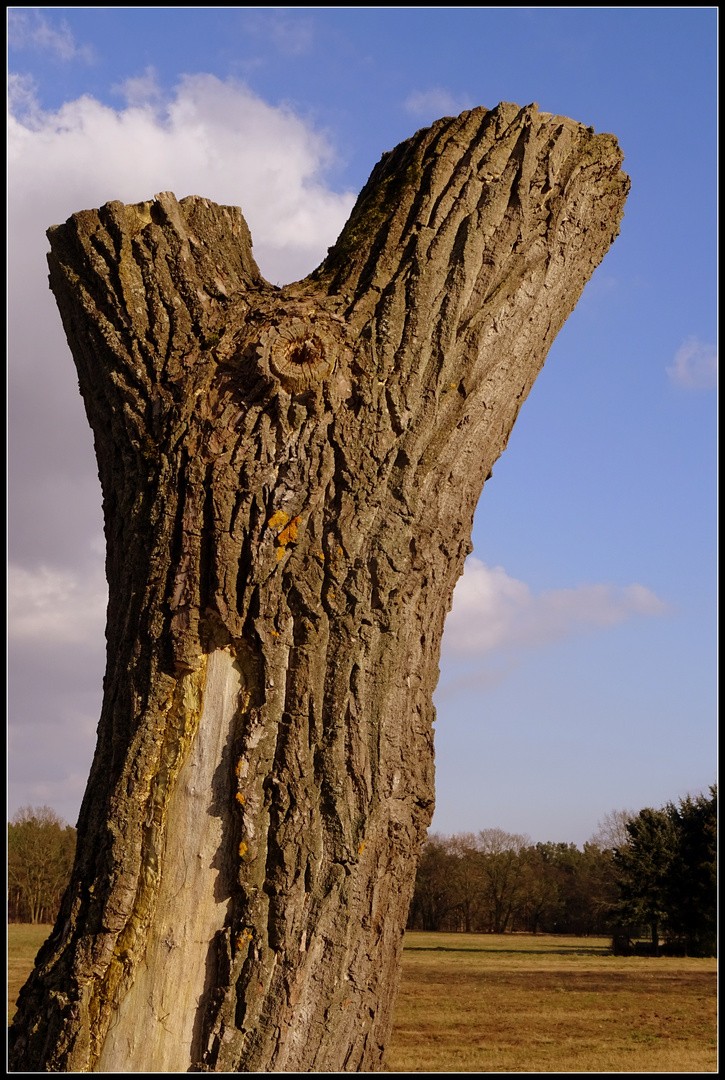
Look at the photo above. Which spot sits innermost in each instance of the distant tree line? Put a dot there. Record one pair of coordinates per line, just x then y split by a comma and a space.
497, 882
651, 873
41, 848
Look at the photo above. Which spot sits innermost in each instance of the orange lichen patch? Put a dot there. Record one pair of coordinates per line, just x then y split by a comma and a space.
319, 555
242, 850
281, 552
244, 938
239, 797
238, 769
278, 518
289, 535
361, 848
340, 552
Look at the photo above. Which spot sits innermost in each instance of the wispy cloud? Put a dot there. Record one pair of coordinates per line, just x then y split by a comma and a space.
51, 606
31, 29
495, 612
62, 792
289, 35
436, 102
695, 365
22, 99
140, 90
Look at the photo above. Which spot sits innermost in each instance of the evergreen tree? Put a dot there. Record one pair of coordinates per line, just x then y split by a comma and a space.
644, 864
668, 873
692, 882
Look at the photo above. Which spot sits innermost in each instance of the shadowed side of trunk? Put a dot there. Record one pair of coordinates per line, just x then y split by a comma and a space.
289, 480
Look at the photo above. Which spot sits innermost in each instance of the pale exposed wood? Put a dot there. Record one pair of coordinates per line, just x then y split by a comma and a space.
155, 1028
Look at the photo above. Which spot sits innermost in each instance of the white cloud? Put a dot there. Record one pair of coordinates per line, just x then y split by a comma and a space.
54, 607
435, 103
492, 611
695, 365
213, 138
29, 29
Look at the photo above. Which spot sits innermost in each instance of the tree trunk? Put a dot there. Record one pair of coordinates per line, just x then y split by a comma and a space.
289, 479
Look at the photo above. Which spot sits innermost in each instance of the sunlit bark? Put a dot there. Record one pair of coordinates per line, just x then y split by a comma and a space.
289, 480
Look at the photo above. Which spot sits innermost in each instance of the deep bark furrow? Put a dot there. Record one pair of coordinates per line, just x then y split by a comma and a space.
289, 480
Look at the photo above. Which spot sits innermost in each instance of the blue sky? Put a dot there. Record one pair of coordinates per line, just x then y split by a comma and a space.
578, 672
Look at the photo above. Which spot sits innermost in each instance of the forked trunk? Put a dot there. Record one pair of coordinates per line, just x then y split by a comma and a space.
289, 479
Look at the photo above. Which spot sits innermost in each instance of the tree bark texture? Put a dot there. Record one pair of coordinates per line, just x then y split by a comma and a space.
289, 480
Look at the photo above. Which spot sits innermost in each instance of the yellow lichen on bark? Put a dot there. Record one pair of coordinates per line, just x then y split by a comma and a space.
278, 518
289, 535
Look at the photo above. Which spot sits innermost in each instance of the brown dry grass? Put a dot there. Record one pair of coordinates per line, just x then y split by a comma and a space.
24, 941
519, 1003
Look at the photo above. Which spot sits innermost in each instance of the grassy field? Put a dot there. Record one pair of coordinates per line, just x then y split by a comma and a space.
24, 941
518, 1003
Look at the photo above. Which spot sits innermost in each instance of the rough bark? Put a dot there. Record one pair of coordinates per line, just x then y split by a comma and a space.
289, 479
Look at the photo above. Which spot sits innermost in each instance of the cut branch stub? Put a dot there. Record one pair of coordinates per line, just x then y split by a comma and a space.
289, 480
301, 352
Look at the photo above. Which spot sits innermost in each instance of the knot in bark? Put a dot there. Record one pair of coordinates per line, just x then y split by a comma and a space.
299, 353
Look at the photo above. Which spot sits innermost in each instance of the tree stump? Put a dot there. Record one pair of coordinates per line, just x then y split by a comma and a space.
289, 480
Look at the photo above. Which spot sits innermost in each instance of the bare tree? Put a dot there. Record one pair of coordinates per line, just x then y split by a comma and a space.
289, 479
435, 897
40, 856
467, 879
612, 830
502, 858
540, 897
